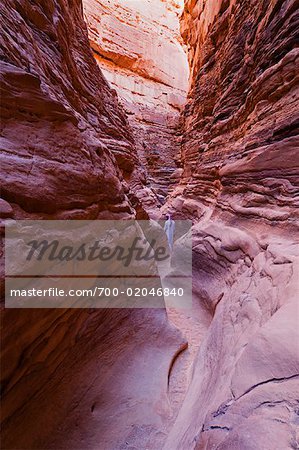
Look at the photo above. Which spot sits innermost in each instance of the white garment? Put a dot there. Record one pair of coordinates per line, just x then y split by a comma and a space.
169, 229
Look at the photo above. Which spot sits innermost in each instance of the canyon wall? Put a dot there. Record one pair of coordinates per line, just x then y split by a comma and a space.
65, 138
71, 378
137, 44
240, 179
101, 378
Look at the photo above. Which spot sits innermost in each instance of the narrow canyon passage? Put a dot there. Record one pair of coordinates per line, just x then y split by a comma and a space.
138, 47
135, 109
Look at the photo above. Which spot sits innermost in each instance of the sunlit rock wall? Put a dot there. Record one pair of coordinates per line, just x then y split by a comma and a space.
137, 44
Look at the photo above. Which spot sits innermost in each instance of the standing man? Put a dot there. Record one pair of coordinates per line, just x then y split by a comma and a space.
169, 229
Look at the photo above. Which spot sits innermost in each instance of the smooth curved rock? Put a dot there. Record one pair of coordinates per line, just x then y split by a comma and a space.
72, 378
103, 378
240, 152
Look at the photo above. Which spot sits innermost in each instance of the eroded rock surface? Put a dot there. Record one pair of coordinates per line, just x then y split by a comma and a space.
138, 46
240, 152
65, 139
72, 378
108, 379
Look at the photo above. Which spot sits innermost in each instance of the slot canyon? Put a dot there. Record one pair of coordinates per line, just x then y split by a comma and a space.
135, 109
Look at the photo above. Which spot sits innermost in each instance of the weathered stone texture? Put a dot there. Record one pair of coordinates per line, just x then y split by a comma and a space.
64, 136
138, 47
71, 378
239, 183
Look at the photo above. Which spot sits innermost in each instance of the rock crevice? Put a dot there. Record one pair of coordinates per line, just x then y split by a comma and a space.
78, 146
139, 49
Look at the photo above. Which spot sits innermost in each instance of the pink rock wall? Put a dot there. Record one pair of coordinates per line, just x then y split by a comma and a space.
240, 152
64, 136
138, 47
99, 379
71, 378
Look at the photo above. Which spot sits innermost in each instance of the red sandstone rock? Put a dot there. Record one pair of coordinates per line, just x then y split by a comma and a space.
137, 45
62, 127
240, 153
5, 209
98, 379
72, 378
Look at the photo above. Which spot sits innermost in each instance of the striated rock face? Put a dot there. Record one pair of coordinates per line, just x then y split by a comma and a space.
240, 122
64, 137
71, 378
109, 379
138, 47
240, 152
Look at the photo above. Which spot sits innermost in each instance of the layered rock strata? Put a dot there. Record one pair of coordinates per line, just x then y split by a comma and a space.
240, 178
65, 139
72, 378
84, 378
138, 47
